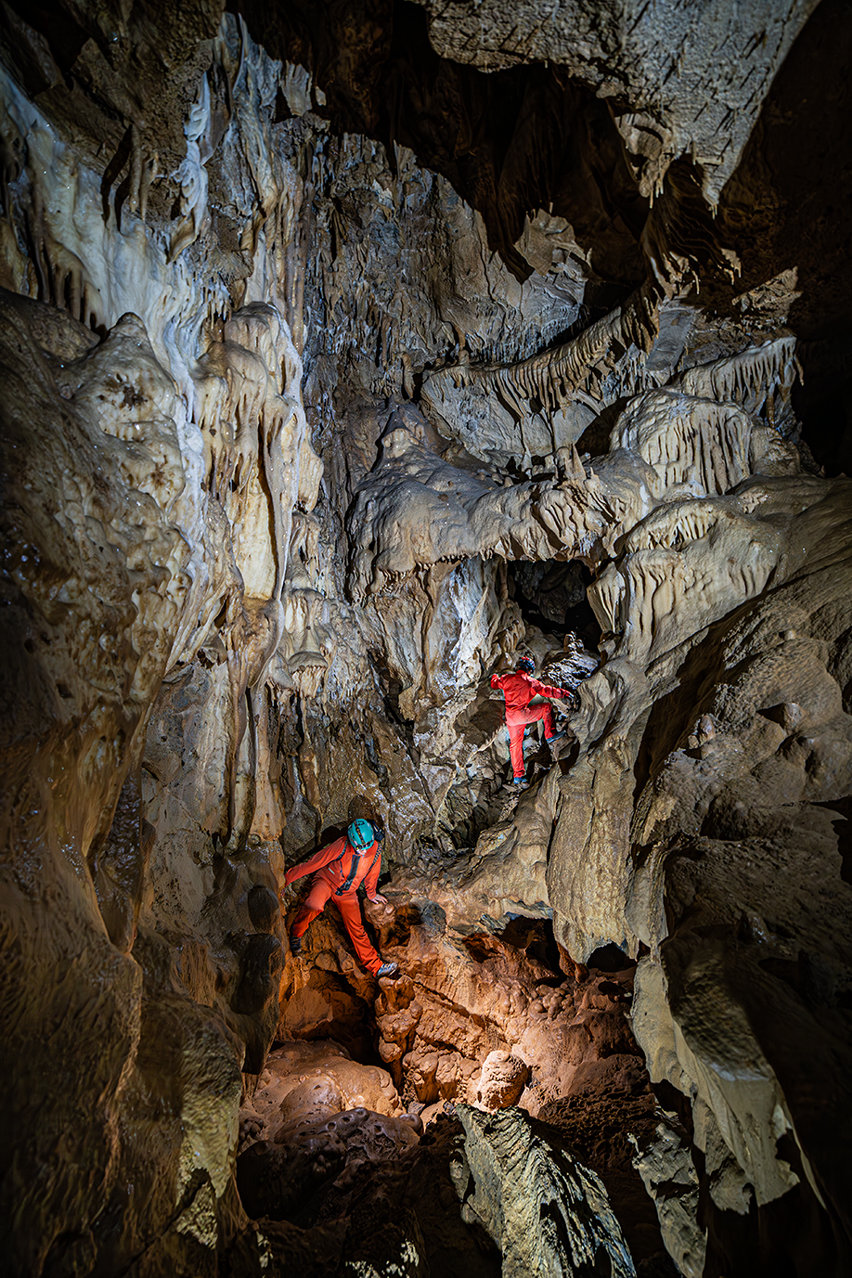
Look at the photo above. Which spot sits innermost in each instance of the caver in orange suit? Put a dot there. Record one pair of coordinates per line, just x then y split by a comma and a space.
519, 689
338, 872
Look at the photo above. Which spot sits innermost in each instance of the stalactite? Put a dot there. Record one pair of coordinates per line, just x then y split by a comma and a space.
753, 378
554, 376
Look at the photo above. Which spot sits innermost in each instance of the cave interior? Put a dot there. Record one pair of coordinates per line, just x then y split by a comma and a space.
352, 350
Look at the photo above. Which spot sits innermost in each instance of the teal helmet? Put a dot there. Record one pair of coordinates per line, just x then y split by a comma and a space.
360, 835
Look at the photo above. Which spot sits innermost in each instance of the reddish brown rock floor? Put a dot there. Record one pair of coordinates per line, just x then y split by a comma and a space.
561, 1036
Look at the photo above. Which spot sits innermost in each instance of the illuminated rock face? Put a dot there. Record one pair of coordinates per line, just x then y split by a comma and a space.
679, 76
335, 374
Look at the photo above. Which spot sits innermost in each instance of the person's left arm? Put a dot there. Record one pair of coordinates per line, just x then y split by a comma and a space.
315, 862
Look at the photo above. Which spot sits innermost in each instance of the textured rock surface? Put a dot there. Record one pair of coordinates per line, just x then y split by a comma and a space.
547, 1214
346, 351
360, 1192
676, 76
487, 1020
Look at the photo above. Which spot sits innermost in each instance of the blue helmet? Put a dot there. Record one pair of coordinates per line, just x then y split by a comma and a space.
526, 663
360, 835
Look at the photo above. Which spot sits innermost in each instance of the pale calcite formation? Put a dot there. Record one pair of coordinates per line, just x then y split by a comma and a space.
712, 512
258, 458
100, 579
767, 743
742, 1094
539, 407
146, 506
547, 1213
415, 509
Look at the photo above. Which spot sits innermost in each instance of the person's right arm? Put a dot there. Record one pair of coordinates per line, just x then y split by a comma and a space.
497, 681
314, 863
548, 690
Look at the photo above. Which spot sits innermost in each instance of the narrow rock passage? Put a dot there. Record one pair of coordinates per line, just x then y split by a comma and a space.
484, 1019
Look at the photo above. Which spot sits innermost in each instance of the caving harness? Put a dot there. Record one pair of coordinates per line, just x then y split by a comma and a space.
346, 886
363, 833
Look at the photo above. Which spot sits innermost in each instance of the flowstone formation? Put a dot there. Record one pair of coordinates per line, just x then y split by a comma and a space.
348, 352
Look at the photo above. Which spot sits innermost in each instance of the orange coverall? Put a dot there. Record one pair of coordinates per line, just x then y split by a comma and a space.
338, 871
519, 688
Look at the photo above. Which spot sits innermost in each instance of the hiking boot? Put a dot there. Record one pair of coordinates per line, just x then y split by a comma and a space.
557, 736
295, 945
388, 969
521, 783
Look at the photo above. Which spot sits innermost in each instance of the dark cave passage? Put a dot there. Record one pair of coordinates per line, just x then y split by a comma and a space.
552, 596
508, 141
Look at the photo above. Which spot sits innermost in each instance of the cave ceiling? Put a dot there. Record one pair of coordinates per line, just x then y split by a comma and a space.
349, 350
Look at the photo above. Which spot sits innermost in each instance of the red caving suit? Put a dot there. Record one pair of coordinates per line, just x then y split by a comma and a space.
519, 689
338, 871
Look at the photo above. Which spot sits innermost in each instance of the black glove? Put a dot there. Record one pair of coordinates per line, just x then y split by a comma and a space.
379, 833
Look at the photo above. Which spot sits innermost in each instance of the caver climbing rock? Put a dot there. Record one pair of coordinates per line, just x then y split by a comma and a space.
519, 689
338, 871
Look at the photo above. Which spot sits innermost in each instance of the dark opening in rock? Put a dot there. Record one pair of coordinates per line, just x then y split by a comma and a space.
609, 958
552, 596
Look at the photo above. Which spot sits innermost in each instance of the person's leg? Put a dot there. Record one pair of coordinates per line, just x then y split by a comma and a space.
541, 710
516, 747
312, 906
350, 912
550, 726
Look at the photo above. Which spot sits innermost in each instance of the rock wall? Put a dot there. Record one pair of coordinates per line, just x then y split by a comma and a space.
311, 330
